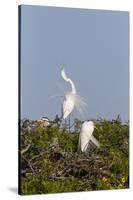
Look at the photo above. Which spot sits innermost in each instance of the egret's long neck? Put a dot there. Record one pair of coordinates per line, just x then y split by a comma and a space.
69, 81
72, 86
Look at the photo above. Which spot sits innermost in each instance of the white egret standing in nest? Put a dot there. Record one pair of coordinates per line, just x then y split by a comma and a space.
86, 136
71, 99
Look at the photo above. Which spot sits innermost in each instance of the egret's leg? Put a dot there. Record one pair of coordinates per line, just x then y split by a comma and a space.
61, 118
65, 123
61, 122
69, 123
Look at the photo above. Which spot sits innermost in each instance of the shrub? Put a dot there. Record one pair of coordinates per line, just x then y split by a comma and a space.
50, 162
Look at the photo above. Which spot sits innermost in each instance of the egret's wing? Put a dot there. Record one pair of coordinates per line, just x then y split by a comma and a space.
84, 149
84, 139
95, 141
86, 135
68, 106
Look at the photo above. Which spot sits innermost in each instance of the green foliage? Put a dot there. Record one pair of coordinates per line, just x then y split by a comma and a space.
52, 164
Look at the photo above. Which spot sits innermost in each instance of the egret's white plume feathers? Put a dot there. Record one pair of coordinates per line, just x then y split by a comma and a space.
71, 99
86, 136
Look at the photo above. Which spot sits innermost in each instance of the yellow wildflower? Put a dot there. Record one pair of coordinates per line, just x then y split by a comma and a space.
123, 180
120, 186
104, 179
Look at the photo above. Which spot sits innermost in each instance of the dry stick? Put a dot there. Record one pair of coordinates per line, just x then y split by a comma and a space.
26, 149
37, 156
28, 163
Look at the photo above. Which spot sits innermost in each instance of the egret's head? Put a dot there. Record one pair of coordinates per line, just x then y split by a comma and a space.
90, 123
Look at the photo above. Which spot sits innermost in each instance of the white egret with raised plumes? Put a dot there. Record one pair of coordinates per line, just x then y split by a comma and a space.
71, 99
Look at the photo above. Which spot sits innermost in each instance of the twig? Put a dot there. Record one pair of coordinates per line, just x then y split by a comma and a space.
28, 164
26, 149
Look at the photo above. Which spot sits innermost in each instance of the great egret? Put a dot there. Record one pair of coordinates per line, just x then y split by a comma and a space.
86, 136
71, 99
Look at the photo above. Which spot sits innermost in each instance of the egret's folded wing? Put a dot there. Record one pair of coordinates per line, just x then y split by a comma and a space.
66, 110
68, 106
94, 140
84, 149
84, 141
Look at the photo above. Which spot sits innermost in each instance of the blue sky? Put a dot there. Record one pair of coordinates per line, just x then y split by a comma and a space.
94, 47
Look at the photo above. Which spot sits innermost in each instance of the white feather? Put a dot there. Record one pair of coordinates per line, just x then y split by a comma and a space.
86, 136
71, 99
